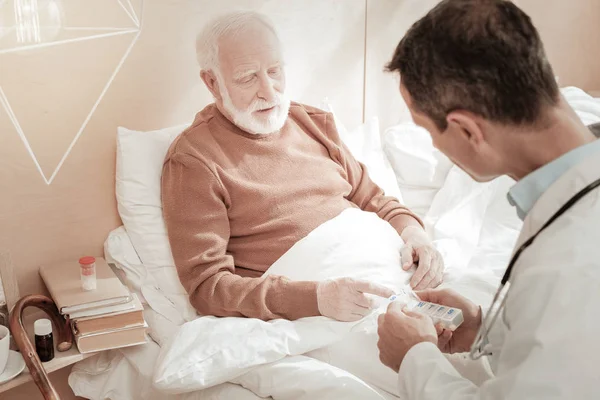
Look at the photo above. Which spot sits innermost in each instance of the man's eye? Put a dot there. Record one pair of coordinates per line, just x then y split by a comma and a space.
275, 71
247, 79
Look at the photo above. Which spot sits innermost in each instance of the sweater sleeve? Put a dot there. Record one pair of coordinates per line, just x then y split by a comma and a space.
365, 193
195, 212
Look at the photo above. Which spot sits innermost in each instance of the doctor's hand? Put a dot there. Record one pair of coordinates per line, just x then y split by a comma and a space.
399, 330
418, 249
344, 299
463, 337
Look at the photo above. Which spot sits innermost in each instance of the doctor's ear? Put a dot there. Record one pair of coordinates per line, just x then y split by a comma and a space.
210, 80
467, 125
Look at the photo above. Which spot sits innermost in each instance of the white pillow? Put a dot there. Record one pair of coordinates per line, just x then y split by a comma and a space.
364, 142
456, 216
499, 232
420, 168
586, 107
119, 251
175, 307
140, 157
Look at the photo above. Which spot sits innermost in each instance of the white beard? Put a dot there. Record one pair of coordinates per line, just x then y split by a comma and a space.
244, 119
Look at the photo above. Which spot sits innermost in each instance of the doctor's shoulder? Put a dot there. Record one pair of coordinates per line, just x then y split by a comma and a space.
572, 243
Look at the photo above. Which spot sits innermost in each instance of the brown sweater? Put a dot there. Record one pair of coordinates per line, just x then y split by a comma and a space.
235, 202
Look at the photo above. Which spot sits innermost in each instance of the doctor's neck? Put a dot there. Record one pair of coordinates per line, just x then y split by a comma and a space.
534, 146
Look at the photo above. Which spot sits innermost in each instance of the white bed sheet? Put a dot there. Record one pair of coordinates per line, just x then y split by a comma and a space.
126, 374
131, 368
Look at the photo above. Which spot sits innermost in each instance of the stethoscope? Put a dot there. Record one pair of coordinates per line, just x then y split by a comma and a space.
481, 347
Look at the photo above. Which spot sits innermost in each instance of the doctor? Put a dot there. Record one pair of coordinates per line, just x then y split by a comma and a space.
474, 74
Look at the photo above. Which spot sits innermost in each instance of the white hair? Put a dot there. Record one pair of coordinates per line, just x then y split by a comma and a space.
207, 42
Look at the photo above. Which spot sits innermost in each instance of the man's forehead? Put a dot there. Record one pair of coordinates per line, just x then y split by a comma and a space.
252, 60
252, 39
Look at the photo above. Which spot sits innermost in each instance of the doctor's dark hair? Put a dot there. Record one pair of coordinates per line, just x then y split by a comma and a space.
483, 56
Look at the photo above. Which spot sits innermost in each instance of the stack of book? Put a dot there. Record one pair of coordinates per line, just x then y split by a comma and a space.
107, 317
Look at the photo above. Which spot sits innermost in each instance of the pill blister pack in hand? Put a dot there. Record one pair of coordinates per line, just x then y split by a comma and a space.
448, 317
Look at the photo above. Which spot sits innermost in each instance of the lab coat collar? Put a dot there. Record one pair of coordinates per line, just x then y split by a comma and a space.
561, 191
525, 193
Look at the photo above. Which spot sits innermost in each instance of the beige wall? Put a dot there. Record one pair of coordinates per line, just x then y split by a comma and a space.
49, 213
569, 29
571, 33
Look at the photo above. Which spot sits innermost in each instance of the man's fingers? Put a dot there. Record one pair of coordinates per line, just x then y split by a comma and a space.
406, 255
356, 315
444, 340
438, 280
431, 295
414, 314
441, 265
428, 279
439, 329
422, 269
425, 282
352, 317
438, 263
446, 335
438, 296
442, 332
373, 288
396, 307
362, 301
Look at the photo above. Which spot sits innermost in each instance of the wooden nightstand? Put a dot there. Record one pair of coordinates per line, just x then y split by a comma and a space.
61, 359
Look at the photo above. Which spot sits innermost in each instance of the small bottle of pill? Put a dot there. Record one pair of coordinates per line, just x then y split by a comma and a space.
44, 342
87, 269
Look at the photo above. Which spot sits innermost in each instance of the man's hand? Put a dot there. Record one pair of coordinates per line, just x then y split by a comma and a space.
418, 249
344, 298
399, 330
463, 337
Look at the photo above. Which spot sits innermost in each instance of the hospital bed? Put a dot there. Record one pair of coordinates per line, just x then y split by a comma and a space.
471, 224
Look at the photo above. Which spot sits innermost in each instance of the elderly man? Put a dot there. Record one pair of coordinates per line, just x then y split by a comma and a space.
256, 173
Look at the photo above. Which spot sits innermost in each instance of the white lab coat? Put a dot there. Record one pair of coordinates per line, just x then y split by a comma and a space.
546, 345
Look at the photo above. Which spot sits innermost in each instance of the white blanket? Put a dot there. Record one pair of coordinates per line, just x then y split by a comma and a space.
209, 351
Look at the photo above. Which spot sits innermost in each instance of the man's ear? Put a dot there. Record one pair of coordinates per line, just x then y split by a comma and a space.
210, 80
466, 125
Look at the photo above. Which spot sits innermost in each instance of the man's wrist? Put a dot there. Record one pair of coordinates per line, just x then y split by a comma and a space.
403, 221
413, 230
415, 235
